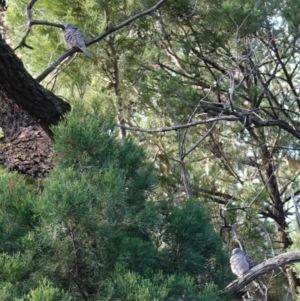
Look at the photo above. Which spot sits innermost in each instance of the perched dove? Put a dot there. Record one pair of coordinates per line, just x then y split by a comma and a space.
240, 262
74, 38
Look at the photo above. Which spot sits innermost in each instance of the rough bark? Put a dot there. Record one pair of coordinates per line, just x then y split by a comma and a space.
27, 110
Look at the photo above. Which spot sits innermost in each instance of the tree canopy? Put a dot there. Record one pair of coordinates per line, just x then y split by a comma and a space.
139, 170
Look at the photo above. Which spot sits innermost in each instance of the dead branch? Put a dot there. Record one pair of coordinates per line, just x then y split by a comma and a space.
263, 268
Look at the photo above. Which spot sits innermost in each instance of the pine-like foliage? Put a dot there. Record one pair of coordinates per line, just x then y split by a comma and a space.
94, 229
187, 62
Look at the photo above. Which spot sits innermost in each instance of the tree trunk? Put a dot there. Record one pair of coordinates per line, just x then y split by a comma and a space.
27, 110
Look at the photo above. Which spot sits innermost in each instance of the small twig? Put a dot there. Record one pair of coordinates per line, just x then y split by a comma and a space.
225, 225
31, 22
58, 71
201, 139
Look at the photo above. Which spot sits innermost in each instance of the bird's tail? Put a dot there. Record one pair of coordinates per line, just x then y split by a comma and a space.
86, 52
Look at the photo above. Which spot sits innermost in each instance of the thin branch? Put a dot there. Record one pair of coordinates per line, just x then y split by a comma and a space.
249, 121
98, 38
236, 237
58, 71
200, 140
182, 126
31, 22
29, 19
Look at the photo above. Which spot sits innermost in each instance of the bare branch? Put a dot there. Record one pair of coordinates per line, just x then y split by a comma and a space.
98, 38
29, 19
249, 118
263, 268
31, 22
182, 126
127, 22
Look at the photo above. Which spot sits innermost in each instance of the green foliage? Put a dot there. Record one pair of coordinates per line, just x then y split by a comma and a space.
45, 291
158, 287
16, 216
191, 243
94, 229
132, 286
100, 220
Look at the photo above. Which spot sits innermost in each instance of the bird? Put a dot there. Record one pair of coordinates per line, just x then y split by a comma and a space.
110, 25
73, 37
240, 262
